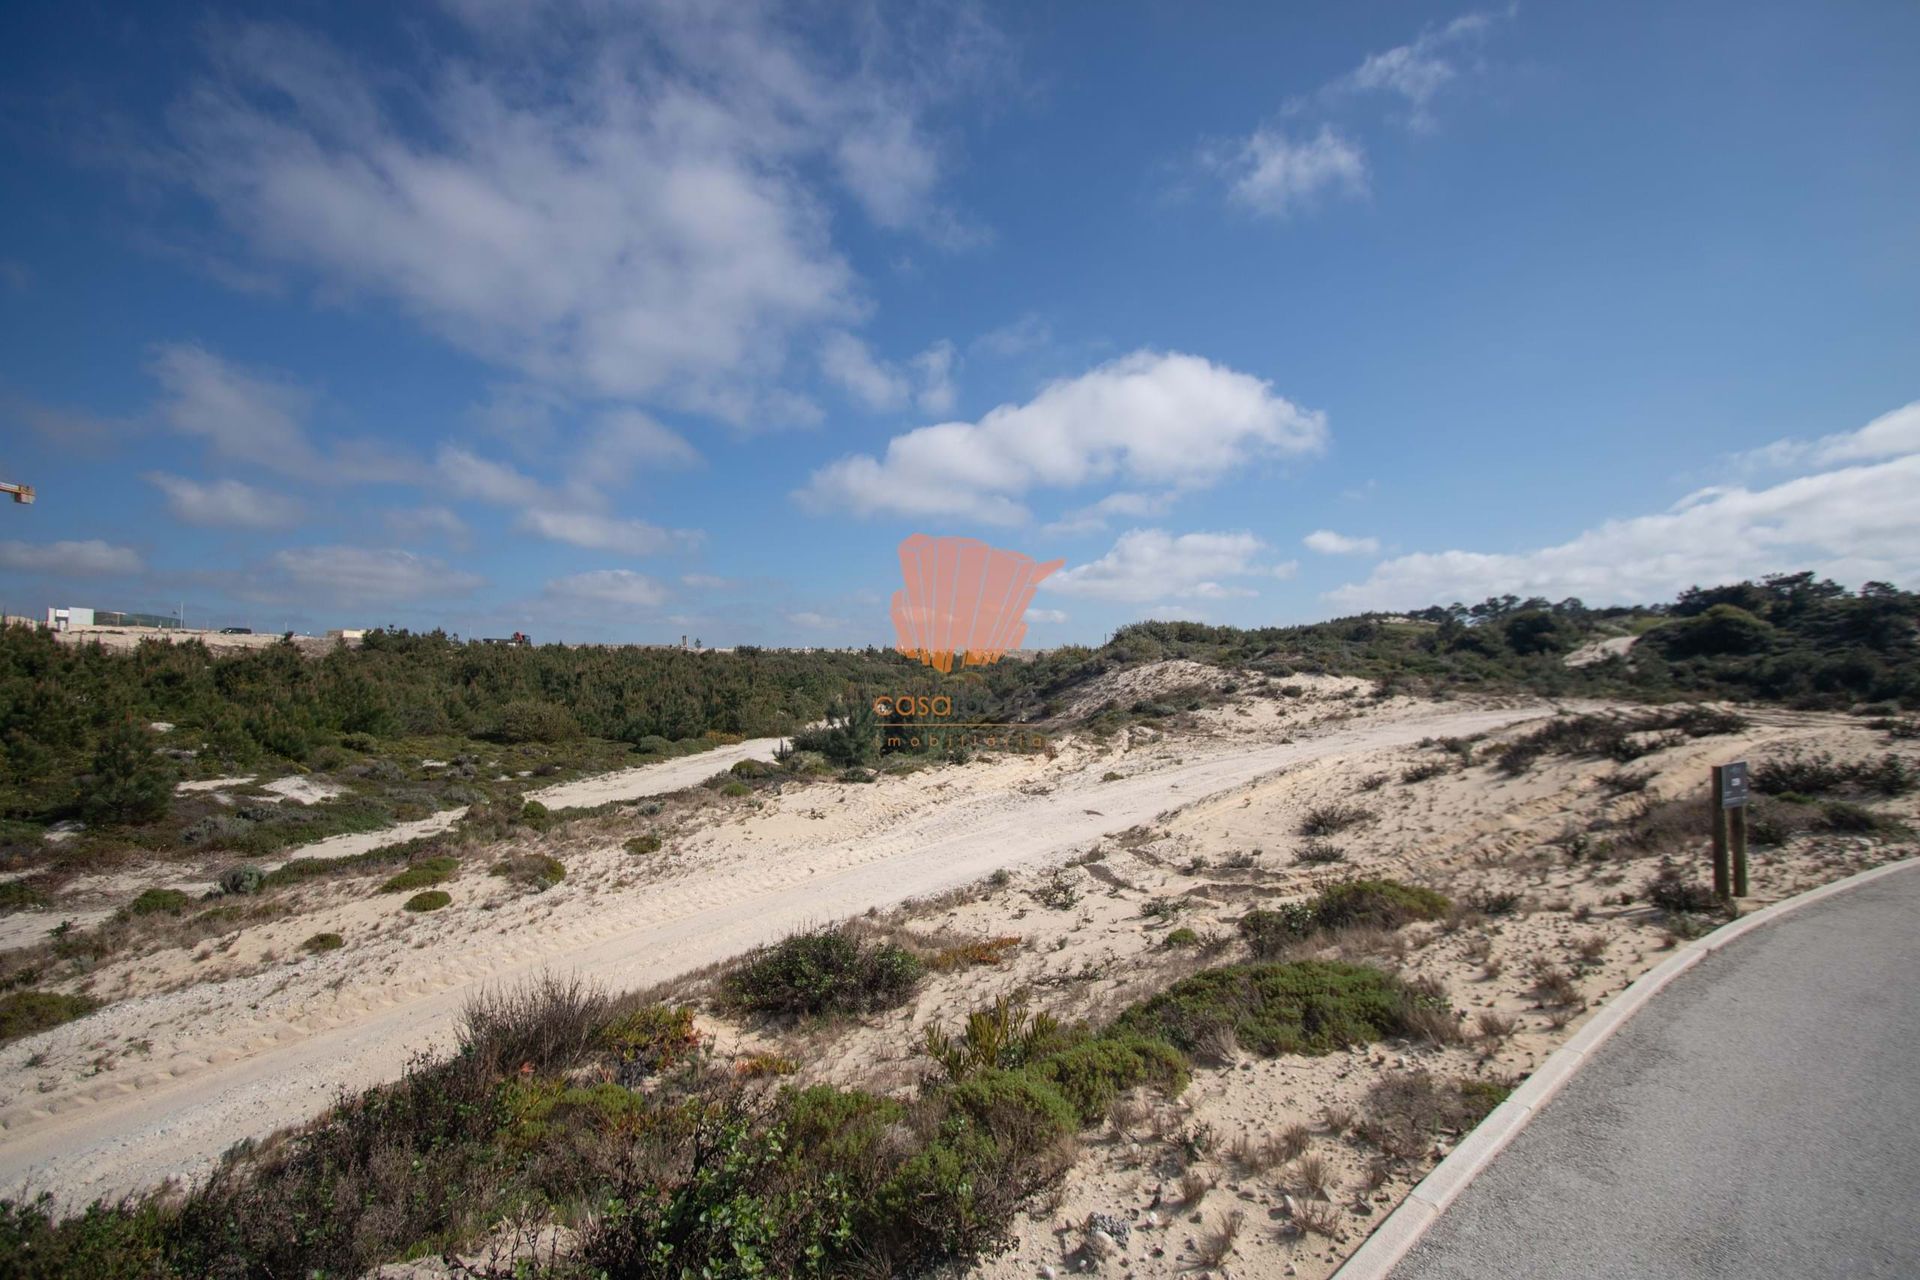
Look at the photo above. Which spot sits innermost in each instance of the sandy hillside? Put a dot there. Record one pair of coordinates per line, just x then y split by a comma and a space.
238, 1034
1084, 940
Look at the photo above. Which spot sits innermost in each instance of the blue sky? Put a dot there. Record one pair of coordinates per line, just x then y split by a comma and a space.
621, 321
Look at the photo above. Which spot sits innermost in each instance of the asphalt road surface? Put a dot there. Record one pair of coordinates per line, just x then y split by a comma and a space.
1759, 1118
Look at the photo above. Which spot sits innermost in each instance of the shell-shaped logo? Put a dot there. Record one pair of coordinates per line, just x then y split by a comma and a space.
963, 600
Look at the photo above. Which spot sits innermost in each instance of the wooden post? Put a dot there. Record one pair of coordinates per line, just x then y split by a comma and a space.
1738, 819
1722, 877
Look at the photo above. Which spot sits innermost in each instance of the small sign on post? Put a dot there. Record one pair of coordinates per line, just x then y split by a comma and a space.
1732, 789
1734, 786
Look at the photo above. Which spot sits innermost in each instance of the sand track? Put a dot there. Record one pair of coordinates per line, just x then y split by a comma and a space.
246, 1064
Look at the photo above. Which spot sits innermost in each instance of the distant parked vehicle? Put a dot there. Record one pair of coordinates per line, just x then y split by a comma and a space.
236, 631
520, 640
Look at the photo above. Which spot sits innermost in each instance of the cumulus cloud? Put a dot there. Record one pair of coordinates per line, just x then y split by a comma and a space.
1149, 417
1272, 173
654, 230
225, 503
935, 367
362, 574
1887, 436
1045, 615
1853, 523
618, 588
1329, 543
1152, 564
90, 558
622, 440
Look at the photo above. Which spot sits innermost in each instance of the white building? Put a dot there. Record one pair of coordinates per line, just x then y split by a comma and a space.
61, 619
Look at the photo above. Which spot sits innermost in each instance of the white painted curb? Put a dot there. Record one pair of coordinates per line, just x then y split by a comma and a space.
1400, 1230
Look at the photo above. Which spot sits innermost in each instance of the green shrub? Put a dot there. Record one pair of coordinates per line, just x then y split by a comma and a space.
648, 843
431, 900
1310, 1007
238, 881
1384, 904
320, 942
418, 875
736, 789
825, 971
527, 720
537, 871
16, 895
1090, 1075
650, 1039
155, 901
1851, 819
1181, 937
22, 1013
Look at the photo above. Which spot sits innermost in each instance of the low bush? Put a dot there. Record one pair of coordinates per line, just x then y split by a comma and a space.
419, 875
822, 972
1326, 819
321, 942
16, 895
1850, 819
22, 1013
537, 871
156, 901
645, 844
1406, 1110
651, 1039
237, 881
431, 900
1310, 1007
1814, 773
1384, 904
1319, 853
1674, 891
1381, 904
1494, 902
1181, 937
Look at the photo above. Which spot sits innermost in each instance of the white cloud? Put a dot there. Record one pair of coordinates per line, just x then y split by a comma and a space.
1152, 564
1889, 435
846, 360
1028, 333
1093, 518
815, 621
1417, 72
350, 574
705, 581
225, 503
603, 533
89, 558
620, 588
1853, 523
623, 439
241, 415
1329, 543
935, 366
1045, 615
430, 521
650, 228
471, 476
1148, 417
1276, 175
882, 386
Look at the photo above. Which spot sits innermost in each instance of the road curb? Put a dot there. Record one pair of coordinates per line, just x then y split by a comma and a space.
1402, 1229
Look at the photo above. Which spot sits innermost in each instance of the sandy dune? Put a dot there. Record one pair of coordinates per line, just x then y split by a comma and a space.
236, 1059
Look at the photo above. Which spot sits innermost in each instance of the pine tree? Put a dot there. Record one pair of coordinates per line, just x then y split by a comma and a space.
129, 784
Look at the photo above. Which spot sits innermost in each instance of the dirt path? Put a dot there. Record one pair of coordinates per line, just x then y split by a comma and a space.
256, 1062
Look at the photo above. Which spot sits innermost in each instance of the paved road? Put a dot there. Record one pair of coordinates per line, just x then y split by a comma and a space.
1760, 1118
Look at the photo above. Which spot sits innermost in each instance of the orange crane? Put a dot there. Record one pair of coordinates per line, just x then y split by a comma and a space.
20, 492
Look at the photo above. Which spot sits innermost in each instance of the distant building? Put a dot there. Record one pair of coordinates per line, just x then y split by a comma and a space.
73, 616
348, 635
